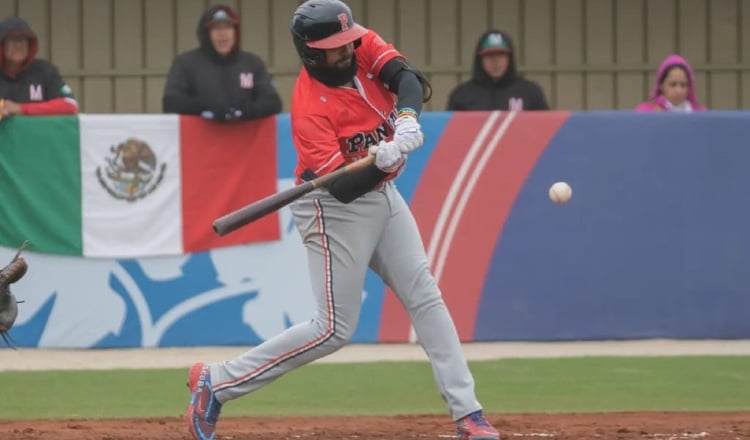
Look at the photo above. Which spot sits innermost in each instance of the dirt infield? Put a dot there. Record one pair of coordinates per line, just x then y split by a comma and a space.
616, 426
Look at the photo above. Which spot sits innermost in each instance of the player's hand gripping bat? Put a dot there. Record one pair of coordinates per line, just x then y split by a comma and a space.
248, 214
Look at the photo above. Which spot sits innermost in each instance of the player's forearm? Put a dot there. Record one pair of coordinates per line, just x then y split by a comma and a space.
406, 83
410, 93
349, 187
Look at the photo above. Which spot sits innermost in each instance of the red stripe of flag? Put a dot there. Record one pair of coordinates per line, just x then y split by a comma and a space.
225, 167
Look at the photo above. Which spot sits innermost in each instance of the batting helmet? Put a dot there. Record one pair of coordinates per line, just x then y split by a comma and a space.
318, 25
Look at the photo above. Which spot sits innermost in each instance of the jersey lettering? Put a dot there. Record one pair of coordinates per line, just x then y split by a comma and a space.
362, 141
246, 80
393, 116
35, 92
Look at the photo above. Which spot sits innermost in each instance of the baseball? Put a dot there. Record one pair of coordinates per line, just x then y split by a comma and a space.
560, 192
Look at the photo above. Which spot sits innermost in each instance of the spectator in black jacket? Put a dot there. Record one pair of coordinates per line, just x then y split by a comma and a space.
495, 83
28, 85
218, 80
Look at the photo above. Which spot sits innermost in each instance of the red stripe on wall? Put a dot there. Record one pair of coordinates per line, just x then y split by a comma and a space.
486, 211
431, 192
225, 167
487, 206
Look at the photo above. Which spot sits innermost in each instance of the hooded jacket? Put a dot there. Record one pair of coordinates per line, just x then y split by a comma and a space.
510, 92
657, 101
38, 86
202, 82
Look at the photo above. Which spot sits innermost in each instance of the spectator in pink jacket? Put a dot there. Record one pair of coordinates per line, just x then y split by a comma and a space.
674, 88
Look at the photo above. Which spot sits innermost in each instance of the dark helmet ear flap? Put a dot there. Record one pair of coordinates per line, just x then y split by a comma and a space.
308, 55
313, 57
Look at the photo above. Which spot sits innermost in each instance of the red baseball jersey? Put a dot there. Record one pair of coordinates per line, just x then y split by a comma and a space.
336, 125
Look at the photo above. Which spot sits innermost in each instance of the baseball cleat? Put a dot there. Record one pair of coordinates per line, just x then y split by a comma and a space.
203, 411
476, 427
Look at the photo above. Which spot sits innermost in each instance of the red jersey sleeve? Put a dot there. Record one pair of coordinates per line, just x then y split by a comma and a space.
374, 52
317, 145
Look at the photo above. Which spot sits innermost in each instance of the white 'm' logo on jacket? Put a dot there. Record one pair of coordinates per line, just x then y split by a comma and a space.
35, 92
515, 104
246, 80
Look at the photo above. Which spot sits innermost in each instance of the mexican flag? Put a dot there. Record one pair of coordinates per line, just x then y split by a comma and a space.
121, 186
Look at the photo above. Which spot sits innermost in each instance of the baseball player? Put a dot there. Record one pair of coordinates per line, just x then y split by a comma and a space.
356, 95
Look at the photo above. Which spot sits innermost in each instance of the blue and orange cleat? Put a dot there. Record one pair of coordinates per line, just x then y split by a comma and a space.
203, 411
476, 427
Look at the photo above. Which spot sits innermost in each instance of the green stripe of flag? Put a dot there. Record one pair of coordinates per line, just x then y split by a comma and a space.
40, 183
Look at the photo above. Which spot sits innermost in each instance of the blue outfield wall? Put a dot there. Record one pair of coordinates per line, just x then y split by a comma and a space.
654, 244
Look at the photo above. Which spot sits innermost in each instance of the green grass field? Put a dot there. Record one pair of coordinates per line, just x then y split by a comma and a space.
594, 384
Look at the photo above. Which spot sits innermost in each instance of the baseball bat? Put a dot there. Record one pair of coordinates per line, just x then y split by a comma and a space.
248, 214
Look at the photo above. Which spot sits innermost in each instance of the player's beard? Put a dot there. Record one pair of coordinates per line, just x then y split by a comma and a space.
334, 76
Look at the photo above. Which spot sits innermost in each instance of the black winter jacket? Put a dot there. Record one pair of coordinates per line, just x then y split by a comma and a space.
236, 86
39, 80
508, 93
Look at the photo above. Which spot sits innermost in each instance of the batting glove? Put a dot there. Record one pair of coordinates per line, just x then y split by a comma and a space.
409, 134
388, 156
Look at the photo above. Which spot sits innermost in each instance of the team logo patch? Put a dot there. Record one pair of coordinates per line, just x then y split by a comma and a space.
35, 92
515, 104
495, 39
132, 171
221, 15
344, 19
246, 80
